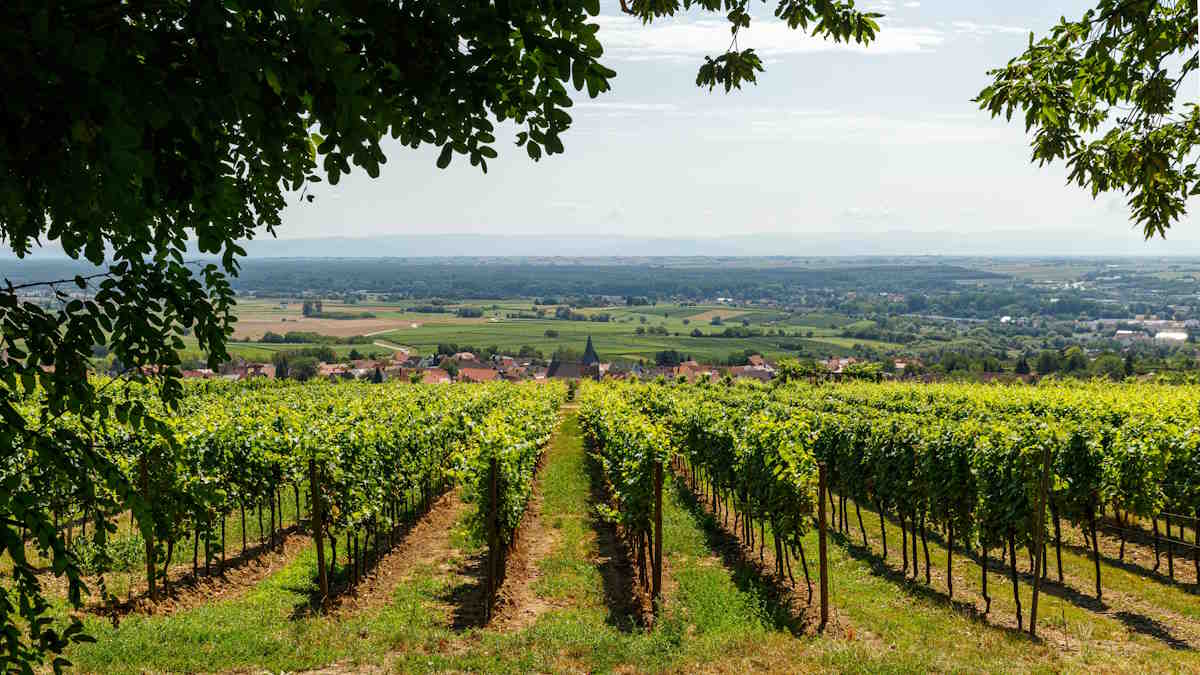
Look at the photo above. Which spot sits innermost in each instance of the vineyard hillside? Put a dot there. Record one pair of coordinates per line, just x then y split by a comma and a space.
601, 527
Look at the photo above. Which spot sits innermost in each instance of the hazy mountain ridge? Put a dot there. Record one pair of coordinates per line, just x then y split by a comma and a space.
801, 244
1037, 244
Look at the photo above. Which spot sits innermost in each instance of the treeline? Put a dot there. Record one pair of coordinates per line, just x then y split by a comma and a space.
310, 337
627, 283
315, 309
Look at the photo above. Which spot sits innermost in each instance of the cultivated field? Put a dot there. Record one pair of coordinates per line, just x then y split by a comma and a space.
256, 317
616, 339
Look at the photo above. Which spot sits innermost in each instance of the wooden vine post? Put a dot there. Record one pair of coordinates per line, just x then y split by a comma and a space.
656, 583
1039, 527
152, 590
318, 527
821, 552
493, 541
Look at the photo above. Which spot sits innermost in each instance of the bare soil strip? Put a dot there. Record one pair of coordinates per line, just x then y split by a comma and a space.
428, 546
427, 543
519, 605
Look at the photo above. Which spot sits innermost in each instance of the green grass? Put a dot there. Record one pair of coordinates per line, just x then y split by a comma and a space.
718, 614
613, 340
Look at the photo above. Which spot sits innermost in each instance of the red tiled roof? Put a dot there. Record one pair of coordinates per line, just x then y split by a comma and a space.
477, 374
435, 376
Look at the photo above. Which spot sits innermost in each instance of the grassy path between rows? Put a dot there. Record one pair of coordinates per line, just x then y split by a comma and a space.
719, 615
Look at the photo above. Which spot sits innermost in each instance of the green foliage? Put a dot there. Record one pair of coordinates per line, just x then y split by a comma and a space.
960, 456
626, 444
310, 337
1047, 362
669, 357
866, 370
1074, 360
795, 370
828, 18
1110, 366
301, 368
1100, 93
121, 554
511, 439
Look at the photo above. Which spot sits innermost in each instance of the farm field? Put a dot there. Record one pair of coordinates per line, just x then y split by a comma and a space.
616, 338
257, 316
573, 600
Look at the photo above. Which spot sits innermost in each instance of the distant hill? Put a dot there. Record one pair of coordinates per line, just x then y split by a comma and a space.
894, 243
1020, 243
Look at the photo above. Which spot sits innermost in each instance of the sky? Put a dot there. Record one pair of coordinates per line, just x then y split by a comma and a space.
867, 142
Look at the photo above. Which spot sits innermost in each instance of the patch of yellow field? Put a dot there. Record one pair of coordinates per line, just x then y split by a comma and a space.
723, 313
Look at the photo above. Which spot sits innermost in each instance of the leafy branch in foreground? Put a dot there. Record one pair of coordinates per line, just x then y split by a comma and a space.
1102, 94
837, 20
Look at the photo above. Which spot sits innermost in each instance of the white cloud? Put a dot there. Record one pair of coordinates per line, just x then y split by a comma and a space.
985, 29
623, 109
840, 127
626, 38
568, 205
866, 213
803, 125
912, 5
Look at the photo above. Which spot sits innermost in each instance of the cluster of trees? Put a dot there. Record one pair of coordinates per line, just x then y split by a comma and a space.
452, 348
301, 364
741, 358
573, 301
530, 352
738, 332
311, 337
315, 309
652, 330
1075, 362
1071, 362
881, 334
670, 358
568, 314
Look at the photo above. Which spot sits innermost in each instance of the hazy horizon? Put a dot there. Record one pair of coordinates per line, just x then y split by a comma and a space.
894, 243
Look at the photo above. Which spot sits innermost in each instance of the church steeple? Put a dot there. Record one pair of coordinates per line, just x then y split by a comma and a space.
589, 354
